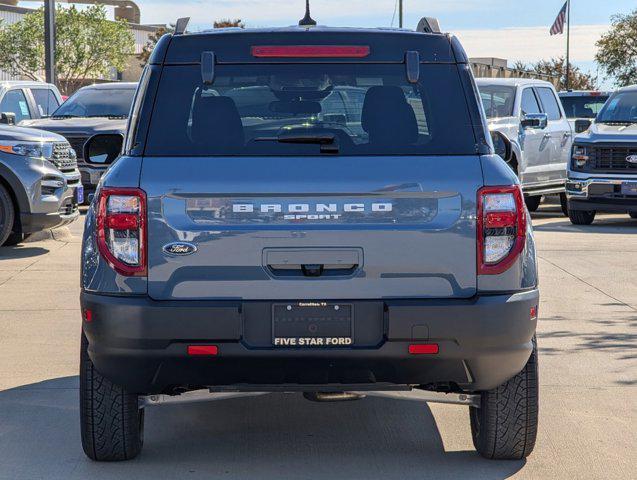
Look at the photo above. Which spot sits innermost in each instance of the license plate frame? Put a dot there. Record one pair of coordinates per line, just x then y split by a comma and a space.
629, 188
312, 325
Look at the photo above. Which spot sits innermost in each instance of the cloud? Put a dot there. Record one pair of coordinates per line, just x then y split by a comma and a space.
531, 43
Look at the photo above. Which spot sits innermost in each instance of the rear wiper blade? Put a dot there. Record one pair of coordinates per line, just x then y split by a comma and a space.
327, 141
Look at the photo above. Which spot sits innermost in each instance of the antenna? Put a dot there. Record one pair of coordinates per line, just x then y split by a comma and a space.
307, 21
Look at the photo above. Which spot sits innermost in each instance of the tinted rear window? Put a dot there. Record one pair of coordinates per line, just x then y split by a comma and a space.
367, 109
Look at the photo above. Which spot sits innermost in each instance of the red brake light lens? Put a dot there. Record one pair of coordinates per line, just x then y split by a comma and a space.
203, 350
121, 229
424, 349
501, 228
310, 51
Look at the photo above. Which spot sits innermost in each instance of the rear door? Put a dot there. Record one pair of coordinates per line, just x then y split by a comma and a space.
384, 209
535, 141
560, 132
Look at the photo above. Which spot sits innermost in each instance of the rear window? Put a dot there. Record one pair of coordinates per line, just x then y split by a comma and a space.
583, 106
497, 100
359, 109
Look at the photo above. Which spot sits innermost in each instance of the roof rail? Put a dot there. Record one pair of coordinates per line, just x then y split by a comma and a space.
181, 25
428, 25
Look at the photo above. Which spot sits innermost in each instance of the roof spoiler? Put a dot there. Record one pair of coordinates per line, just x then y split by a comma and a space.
428, 25
181, 25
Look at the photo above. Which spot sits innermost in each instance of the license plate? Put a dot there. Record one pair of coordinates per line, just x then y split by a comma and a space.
312, 324
629, 188
79, 194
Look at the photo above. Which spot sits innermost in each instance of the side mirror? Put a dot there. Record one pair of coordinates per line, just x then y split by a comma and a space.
8, 118
535, 120
502, 145
103, 149
582, 125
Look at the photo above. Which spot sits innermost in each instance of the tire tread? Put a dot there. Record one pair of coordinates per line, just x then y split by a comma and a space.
111, 425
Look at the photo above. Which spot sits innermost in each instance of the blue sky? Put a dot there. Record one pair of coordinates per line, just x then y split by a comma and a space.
511, 29
454, 14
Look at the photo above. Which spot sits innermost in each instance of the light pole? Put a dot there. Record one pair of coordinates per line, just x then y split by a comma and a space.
49, 40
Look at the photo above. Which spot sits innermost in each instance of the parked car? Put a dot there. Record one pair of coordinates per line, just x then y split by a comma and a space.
235, 249
101, 108
530, 115
582, 106
40, 184
25, 100
602, 173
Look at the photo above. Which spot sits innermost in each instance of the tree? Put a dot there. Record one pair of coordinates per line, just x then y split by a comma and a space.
154, 38
226, 23
556, 67
88, 46
617, 53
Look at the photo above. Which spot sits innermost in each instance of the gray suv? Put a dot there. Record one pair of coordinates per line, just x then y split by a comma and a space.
40, 184
602, 174
350, 231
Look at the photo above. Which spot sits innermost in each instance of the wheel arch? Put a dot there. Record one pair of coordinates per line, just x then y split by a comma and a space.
18, 194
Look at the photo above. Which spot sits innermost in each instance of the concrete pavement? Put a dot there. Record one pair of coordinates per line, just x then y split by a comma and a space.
588, 367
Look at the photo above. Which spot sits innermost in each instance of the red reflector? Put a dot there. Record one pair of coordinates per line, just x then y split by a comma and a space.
596, 94
533, 313
423, 349
122, 221
310, 51
500, 219
209, 350
88, 315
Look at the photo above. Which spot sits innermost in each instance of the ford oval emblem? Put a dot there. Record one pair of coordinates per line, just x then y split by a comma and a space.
179, 248
631, 158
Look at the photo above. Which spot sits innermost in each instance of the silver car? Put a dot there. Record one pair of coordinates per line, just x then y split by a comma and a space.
40, 184
529, 113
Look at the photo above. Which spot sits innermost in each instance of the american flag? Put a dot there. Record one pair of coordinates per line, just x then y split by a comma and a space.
558, 25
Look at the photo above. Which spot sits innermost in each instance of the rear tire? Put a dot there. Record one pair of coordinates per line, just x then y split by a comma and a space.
505, 425
112, 424
16, 238
581, 217
533, 203
7, 215
564, 204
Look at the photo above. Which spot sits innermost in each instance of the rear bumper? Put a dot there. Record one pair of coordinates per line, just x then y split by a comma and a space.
141, 344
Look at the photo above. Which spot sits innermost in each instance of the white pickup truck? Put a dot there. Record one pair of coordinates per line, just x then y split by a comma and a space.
529, 113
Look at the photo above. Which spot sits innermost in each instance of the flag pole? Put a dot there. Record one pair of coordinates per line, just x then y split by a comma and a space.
568, 44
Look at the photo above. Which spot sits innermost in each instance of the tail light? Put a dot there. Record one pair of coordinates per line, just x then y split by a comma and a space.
310, 51
121, 229
501, 228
